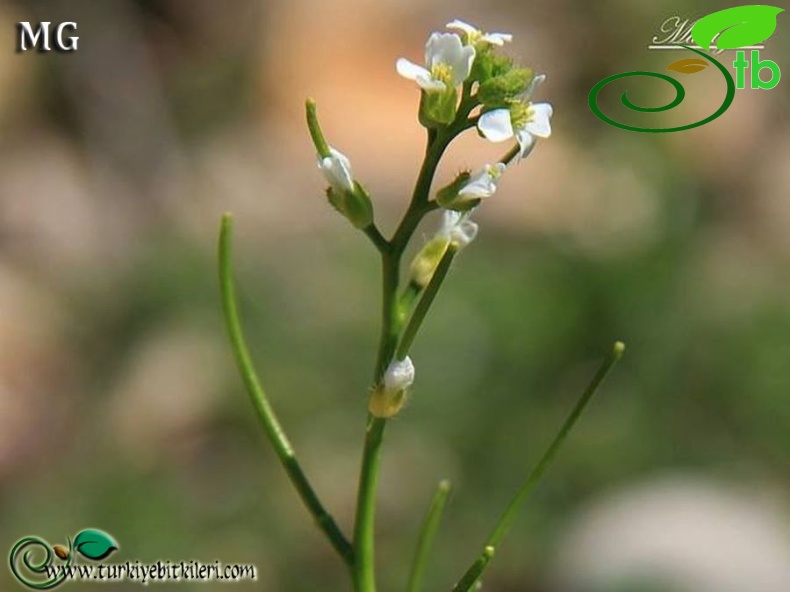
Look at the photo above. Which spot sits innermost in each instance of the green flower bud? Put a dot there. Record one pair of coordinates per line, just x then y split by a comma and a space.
438, 107
354, 205
488, 64
498, 90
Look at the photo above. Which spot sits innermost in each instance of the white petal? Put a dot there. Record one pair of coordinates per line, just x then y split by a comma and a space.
438, 46
484, 183
525, 142
458, 228
337, 170
463, 66
536, 81
495, 125
399, 375
479, 187
464, 233
410, 70
498, 38
449, 220
447, 48
539, 123
462, 26
429, 84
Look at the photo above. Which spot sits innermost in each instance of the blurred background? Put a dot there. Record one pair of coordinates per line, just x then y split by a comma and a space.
120, 407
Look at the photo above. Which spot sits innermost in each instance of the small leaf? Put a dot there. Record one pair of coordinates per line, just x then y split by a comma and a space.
688, 65
94, 544
61, 551
736, 27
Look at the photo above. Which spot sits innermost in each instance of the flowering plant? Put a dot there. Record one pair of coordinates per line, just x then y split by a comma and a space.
466, 83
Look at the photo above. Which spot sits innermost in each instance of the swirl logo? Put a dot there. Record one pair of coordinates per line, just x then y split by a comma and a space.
731, 28
33, 560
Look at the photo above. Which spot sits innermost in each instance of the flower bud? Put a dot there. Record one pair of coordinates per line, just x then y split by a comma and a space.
345, 194
337, 170
498, 90
438, 107
389, 395
488, 64
354, 205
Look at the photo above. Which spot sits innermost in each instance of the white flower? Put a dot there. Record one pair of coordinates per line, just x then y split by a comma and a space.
525, 122
399, 375
484, 183
457, 228
474, 35
448, 63
337, 170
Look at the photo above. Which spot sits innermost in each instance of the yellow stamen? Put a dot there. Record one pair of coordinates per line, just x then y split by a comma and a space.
442, 72
493, 172
520, 114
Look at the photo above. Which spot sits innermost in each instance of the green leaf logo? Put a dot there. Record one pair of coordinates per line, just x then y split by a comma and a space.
736, 27
94, 544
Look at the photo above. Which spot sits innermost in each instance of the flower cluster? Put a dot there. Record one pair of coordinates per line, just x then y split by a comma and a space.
491, 85
465, 82
491, 81
501, 92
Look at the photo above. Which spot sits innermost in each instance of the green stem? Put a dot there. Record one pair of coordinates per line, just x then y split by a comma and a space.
364, 523
364, 568
271, 424
375, 236
509, 515
390, 325
391, 254
427, 536
424, 304
420, 205
512, 153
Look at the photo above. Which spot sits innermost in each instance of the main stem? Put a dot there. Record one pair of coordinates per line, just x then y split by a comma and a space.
391, 254
364, 565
